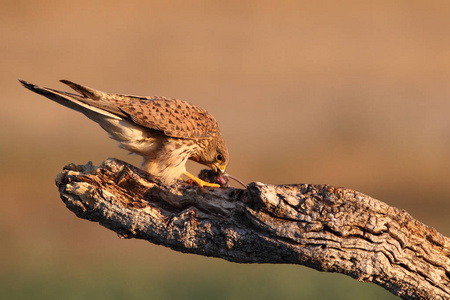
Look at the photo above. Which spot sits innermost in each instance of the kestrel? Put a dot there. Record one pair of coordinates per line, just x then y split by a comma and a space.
165, 132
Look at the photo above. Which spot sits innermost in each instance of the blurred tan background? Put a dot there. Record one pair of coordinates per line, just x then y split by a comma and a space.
348, 93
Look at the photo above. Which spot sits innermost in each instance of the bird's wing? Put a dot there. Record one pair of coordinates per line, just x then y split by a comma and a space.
175, 118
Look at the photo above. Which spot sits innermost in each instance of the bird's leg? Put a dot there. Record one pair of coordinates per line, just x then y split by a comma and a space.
199, 182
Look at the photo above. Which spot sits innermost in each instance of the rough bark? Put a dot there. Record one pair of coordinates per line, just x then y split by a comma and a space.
326, 228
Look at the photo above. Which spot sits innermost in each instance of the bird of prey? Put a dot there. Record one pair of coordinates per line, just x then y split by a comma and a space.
165, 132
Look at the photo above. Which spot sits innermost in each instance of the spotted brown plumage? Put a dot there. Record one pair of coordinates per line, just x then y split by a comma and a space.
175, 117
165, 132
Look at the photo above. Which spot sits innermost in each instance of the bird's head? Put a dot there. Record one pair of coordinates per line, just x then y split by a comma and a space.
215, 155
220, 161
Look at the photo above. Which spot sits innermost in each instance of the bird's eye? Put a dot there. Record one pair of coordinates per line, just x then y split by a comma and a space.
219, 157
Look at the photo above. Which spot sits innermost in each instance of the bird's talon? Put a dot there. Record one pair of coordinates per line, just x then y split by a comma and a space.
200, 183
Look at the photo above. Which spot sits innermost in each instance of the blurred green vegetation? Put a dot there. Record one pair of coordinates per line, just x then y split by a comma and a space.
210, 280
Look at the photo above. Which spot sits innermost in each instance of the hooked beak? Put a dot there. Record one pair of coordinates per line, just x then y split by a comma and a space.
220, 172
218, 169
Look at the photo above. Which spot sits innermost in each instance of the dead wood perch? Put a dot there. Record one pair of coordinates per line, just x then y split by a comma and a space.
326, 228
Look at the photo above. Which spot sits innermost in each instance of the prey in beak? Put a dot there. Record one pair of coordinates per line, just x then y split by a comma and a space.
218, 176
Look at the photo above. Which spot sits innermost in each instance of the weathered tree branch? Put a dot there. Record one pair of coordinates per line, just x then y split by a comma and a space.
323, 227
